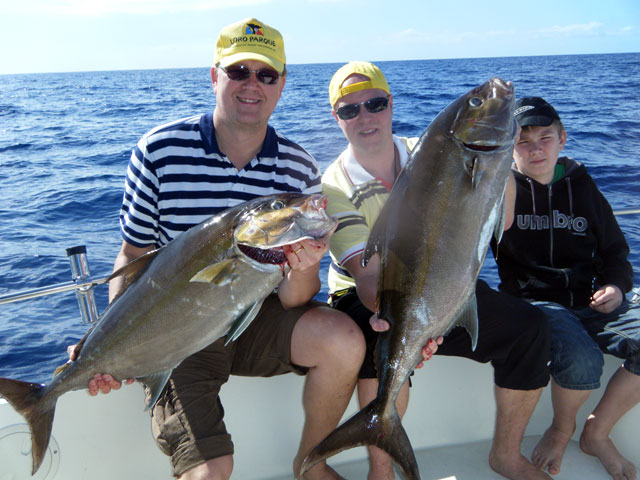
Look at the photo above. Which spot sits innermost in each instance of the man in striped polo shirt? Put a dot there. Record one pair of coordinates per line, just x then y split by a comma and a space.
180, 174
513, 335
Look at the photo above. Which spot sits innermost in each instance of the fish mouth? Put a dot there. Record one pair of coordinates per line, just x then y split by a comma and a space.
482, 148
265, 256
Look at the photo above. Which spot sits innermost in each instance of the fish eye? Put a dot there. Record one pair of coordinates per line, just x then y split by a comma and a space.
277, 205
475, 101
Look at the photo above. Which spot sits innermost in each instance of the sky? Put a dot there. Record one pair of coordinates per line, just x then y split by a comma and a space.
89, 35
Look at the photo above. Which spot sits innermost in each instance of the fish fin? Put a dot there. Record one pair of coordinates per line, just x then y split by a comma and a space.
370, 426
221, 273
469, 320
26, 398
154, 384
241, 323
472, 167
132, 269
76, 350
61, 368
499, 228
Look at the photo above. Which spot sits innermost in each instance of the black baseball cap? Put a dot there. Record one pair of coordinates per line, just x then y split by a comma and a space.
534, 111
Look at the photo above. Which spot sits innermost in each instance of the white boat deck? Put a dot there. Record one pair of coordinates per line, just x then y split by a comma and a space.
469, 462
449, 421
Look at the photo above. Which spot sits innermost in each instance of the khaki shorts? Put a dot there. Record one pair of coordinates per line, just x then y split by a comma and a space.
187, 421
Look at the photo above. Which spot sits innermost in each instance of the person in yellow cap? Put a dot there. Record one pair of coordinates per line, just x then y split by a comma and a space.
513, 335
185, 171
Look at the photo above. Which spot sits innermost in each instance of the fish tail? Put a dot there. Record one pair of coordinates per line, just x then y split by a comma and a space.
27, 399
373, 425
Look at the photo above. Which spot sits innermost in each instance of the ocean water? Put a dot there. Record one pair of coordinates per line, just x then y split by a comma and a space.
65, 140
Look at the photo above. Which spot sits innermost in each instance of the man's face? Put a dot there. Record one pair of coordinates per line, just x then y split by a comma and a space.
245, 102
536, 152
367, 131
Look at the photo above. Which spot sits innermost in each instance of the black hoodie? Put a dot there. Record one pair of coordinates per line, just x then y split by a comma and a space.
565, 242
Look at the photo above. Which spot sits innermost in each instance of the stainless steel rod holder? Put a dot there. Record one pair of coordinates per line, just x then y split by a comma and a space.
80, 273
636, 295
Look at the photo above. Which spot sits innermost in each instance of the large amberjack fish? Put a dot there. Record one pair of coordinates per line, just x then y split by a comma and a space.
208, 282
432, 236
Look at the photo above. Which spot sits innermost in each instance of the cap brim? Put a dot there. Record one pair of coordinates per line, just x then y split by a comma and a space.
535, 121
239, 57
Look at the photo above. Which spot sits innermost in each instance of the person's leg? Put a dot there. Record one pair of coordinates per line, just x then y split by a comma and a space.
380, 463
215, 469
314, 340
617, 333
187, 421
331, 346
547, 455
621, 395
576, 367
514, 336
513, 411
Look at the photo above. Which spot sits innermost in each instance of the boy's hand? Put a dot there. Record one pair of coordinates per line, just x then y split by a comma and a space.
381, 325
607, 299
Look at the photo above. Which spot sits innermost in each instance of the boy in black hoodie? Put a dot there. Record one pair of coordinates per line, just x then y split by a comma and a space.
566, 254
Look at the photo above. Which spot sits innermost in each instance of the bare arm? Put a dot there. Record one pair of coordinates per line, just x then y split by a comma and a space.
366, 279
510, 201
127, 254
303, 280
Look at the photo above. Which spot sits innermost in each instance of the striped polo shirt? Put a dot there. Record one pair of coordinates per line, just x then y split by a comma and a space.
355, 198
178, 177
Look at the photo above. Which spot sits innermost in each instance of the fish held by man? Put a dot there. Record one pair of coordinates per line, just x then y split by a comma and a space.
432, 236
208, 282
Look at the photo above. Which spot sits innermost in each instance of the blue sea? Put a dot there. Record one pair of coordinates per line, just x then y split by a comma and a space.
65, 140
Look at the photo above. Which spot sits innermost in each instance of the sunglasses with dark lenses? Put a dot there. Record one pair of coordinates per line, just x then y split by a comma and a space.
373, 105
240, 73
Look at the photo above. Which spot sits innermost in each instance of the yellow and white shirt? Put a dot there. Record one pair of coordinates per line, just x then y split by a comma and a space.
355, 199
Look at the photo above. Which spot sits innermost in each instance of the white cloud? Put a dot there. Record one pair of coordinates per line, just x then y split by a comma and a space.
591, 28
452, 37
448, 37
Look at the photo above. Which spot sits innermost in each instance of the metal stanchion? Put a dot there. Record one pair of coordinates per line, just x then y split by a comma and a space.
80, 273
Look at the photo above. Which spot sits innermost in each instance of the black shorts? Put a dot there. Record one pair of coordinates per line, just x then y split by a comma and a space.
513, 335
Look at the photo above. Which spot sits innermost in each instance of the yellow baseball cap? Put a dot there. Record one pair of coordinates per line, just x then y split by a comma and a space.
375, 75
250, 39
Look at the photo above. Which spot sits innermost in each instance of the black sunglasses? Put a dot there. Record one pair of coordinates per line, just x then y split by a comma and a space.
373, 105
240, 73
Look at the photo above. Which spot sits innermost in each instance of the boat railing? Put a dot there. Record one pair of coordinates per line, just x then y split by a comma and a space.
83, 284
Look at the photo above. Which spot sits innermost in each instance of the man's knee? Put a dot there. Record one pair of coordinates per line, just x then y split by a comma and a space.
324, 336
335, 333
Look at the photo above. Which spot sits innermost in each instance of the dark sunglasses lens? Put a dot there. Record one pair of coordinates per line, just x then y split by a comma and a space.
267, 76
376, 105
238, 72
347, 112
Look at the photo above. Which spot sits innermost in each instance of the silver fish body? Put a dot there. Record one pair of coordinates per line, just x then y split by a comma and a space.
208, 282
432, 236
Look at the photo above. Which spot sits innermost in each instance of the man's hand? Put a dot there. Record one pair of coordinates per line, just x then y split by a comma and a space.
607, 299
101, 382
380, 325
307, 253
105, 383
